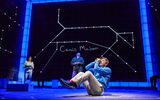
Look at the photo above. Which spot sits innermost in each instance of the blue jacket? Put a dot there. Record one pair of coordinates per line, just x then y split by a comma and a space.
75, 59
102, 74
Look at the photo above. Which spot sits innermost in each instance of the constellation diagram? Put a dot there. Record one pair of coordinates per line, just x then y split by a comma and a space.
108, 48
8, 27
154, 5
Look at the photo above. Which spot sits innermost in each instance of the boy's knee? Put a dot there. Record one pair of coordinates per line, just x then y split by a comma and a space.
89, 72
81, 72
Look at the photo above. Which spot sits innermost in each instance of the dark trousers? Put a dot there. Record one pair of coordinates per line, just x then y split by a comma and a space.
153, 81
39, 81
76, 70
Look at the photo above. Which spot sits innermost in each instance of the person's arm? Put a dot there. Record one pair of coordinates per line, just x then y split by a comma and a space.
82, 61
90, 65
25, 64
72, 61
102, 71
32, 65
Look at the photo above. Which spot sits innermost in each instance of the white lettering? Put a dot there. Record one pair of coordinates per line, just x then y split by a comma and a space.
87, 48
64, 49
80, 48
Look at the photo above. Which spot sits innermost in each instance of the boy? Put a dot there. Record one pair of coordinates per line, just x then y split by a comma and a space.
95, 79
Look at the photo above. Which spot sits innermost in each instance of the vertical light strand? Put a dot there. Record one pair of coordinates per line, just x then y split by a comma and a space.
146, 41
25, 40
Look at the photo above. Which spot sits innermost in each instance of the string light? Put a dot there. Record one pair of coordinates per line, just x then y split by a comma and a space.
5, 50
8, 27
13, 19
153, 7
1, 41
123, 60
118, 35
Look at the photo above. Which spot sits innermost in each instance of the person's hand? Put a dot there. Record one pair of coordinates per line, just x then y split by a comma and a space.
97, 59
75, 63
78, 62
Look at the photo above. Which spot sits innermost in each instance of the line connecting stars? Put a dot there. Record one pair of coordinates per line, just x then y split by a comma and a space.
118, 35
8, 27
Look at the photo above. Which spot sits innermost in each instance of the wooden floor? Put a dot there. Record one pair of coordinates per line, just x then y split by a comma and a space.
80, 94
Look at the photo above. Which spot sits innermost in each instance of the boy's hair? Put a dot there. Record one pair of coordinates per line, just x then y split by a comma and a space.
105, 59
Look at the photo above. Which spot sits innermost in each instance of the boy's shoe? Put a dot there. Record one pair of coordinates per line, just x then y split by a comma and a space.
68, 84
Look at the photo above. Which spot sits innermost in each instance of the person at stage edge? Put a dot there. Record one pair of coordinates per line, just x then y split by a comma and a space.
95, 79
153, 81
28, 69
77, 62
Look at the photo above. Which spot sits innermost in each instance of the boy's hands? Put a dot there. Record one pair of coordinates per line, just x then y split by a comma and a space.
98, 60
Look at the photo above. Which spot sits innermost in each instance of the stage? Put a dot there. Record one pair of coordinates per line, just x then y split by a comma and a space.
80, 94
48, 34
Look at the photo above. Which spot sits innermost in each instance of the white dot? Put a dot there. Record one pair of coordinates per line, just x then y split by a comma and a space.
2, 30
135, 71
42, 49
126, 63
5, 14
10, 17
124, 40
15, 21
9, 25
117, 55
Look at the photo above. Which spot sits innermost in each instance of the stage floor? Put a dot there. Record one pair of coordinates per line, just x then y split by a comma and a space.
80, 94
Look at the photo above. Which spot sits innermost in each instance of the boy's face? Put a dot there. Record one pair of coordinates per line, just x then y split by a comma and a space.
103, 62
